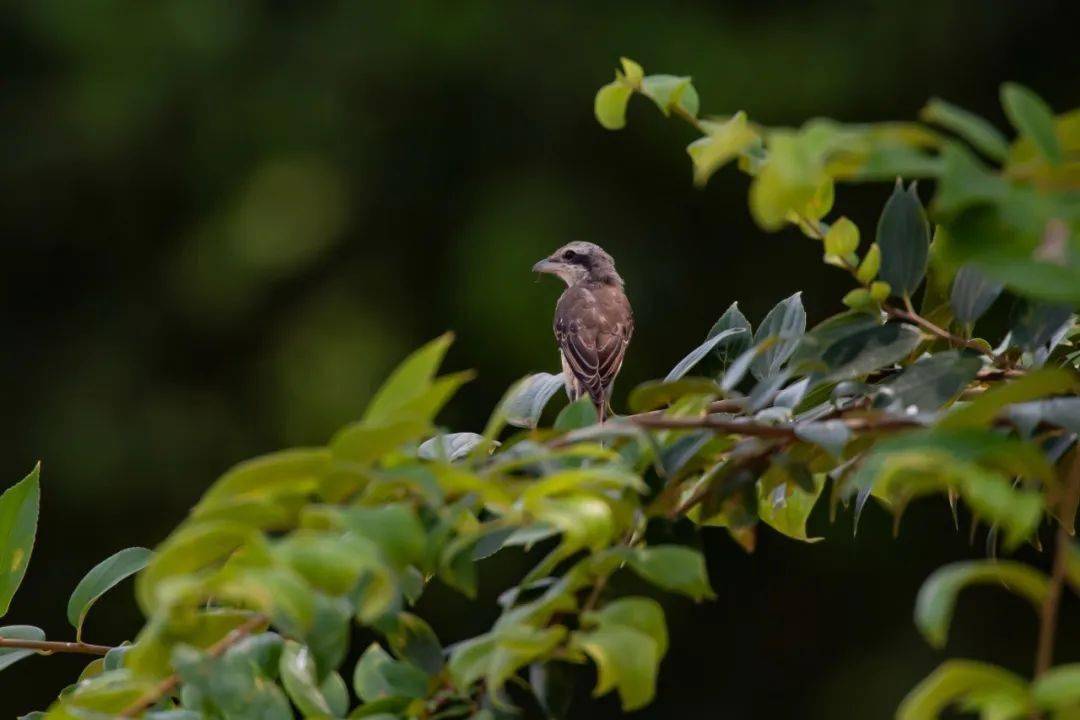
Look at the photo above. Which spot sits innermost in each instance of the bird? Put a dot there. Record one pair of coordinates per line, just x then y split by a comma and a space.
593, 321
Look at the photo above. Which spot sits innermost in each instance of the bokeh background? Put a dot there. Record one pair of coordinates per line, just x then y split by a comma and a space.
223, 222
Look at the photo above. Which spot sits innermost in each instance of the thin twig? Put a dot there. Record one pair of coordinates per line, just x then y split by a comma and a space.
756, 429
48, 647
915, 318
169, 684
1044, 653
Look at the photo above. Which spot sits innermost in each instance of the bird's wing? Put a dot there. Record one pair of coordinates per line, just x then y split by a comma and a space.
593, 332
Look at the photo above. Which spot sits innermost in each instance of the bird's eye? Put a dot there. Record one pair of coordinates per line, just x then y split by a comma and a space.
569, 255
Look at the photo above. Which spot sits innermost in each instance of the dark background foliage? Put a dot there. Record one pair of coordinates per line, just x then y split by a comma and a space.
223, 222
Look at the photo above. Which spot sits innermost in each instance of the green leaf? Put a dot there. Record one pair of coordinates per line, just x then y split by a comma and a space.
903, 235
450, 447
674, 568
1034, 385
526, 400
786, 322
697, 354
1032, 118
10, 656
786, 507
933, 381
18, 526
937, 596
1035, 324
610, 104
378, 675
1062, 412
578, 414
297, 668
1058, 688
976, 130
394, 527
626, 659
669, 91
723, 143
412, 639
408, 381
981, 685
733, 345
638, 613
830, 435
972, 294
870, 265
659, 393
864, 351
103, 577
362, 443
632, 71
790, 182
842, 238
298, 471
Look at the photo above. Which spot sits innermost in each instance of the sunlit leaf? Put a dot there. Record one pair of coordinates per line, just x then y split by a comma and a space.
786, 507
1032, 118
974, 129
937, 596
1058, 688
975, 684
18, 528
626, 659
408, 381
660, 393
722, 144
610, 104
669, 92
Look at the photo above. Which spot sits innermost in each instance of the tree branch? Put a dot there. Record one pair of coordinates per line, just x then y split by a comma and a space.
916, 319
48, 647
169, 684
1044, 653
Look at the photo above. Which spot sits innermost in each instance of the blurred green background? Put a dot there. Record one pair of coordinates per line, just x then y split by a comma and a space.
223, 222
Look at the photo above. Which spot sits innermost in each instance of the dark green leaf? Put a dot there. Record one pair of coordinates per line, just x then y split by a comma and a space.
903, 235
733, 345
10, 656
378, 675
934, 381
18, 527
1034, 324
1032, 386
578, 414
673, 567
1032, 118
695, 356
553, 686
786, 322
1062, 412
413, 640
937, 597
831, 435
975, 129
972, 294
102, 578
865, 351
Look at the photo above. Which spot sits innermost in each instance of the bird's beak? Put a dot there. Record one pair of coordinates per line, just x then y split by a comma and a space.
545, 266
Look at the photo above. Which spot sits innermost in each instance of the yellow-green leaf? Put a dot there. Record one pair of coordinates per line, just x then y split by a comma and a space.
18, 527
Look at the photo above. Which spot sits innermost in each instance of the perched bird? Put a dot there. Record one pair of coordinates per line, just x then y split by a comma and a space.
593, 320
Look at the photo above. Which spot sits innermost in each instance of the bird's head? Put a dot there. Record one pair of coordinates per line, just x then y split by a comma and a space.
579, 262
